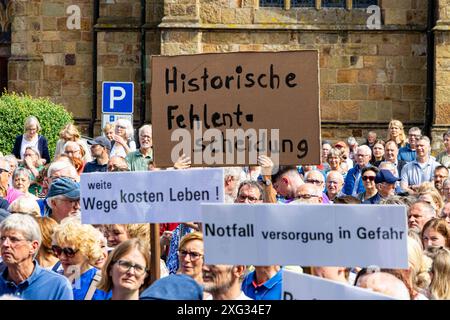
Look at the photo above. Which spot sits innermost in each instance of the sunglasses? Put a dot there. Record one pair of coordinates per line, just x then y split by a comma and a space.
69, 252
370, 178
3, 170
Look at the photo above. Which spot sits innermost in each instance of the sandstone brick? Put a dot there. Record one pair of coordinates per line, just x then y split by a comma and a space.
74, 35
348, 110
367, 76
393, 62
418, 111
367, 110
384, 110
84, 47
401, 110
329, 110
108, 60
347, 76
441, 94
53, 9
409, 76
442, 51
275, 16
396, 4
177, 9
328, 76
358, 92
51, 36
376, 92
442, 77
443, 64
228, 15
74, 73
374, 61
53, 59
244, 16
53, 73
361, 49
116, 74
396, 17
70, 88
50, 88
393, 50
209, 14
414, 62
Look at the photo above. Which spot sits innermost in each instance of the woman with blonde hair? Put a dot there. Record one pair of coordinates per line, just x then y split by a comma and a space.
190, 255
396, 133
78, 248
46, 257
419, 265
428, 193
126, 271
440, 269
71, 133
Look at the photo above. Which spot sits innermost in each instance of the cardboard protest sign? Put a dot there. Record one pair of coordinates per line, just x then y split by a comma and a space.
248, 103
299, 286
156, 196
307, 235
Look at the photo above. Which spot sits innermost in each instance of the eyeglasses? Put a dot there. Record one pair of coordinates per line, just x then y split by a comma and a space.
370, 178
126, 266
3, 170
193, 255
72, 151
69, 252
250, 198
120, 127
314, 181
12, 240
31, 129
332, 182
306, 196
113, 168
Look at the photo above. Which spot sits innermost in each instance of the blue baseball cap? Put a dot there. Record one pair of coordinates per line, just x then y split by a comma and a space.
386, 176
173, 287
100, 140
65, 187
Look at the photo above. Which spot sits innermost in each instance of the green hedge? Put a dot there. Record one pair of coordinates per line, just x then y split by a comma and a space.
15, 108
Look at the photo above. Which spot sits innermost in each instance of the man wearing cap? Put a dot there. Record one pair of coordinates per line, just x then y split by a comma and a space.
173, 287
385, 183
100, 148
138, 160
63, 199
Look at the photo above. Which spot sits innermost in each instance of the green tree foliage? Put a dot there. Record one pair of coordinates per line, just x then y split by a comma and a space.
15, 108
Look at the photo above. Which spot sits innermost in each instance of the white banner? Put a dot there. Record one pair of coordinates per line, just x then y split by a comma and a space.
298, 286
306, 235
148, 196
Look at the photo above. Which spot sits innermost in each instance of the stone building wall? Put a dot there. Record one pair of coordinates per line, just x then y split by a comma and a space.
367, 76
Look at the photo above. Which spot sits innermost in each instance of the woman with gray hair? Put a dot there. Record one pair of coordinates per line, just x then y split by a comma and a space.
19, 244
123, 142
31, 138
21, 183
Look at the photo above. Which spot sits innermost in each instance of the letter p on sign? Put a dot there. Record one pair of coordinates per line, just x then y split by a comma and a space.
118, 97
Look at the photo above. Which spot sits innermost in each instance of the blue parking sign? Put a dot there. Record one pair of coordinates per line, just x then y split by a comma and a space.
117, 97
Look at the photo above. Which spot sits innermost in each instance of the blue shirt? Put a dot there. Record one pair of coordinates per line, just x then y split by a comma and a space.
81, 288
269, 290
406, 153
414, 173
41, 285
93, 166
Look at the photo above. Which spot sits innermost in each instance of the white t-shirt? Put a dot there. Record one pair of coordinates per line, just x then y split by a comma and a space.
25, 143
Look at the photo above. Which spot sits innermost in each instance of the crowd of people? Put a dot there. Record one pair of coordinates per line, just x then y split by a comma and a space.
47, 253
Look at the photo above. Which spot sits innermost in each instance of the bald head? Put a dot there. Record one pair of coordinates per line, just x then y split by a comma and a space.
308, 193
384, 283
